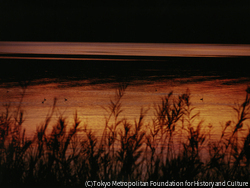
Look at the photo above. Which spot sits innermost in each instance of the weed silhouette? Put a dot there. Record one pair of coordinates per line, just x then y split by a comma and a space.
170, 147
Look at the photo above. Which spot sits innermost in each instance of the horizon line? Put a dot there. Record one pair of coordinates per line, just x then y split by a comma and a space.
117, 49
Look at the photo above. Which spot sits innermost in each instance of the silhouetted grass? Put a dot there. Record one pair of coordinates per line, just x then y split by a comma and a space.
171, 147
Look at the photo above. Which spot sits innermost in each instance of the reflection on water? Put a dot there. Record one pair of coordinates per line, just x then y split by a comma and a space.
89, 86
218, 95
125, 49
84, 74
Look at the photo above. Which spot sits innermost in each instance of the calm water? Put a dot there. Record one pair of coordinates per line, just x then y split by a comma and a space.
89, 101
127, 49
89, 84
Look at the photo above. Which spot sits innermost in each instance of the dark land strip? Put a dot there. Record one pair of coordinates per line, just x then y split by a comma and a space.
118, 68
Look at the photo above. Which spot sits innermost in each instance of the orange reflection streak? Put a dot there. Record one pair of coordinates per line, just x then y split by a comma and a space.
125, 49
76, 59
215, 108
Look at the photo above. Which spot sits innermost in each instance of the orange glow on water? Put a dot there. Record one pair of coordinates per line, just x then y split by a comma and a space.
89, 100
218, 95
125, 49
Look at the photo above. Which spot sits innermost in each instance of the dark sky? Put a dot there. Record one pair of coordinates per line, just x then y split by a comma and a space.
168, 21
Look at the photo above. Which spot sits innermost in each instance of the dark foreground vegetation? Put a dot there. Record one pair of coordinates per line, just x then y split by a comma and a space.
174, 147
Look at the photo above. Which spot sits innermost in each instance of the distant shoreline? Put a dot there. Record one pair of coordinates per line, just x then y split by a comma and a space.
105, 57
18, 67
80, 57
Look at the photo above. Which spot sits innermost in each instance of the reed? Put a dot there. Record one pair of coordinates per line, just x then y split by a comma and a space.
170, 147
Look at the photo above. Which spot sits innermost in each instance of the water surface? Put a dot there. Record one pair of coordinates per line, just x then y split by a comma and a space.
127, 49
87, 75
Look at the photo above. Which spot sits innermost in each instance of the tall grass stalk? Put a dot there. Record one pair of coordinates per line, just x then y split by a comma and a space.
170, 147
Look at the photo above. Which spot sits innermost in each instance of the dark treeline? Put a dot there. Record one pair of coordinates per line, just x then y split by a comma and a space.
126, 21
